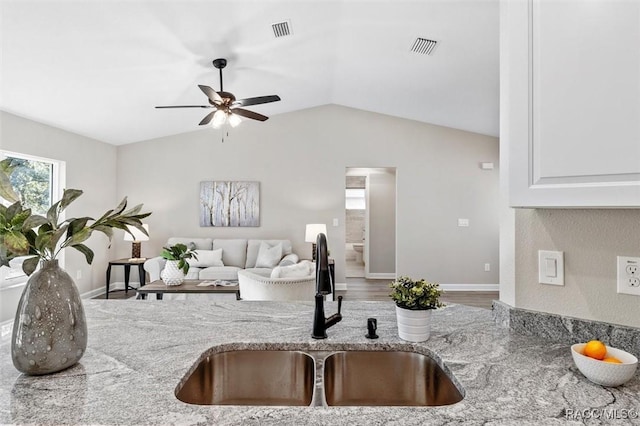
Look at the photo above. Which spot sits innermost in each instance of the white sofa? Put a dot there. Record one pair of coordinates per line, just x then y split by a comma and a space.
237, 255
258, 287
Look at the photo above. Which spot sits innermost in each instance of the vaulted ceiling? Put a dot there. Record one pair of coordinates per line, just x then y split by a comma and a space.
98, 68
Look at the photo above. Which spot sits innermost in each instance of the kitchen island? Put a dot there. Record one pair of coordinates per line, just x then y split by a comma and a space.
139, 351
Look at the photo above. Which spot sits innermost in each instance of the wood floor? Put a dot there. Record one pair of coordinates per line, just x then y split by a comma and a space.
117, 295
375, 290
378, 290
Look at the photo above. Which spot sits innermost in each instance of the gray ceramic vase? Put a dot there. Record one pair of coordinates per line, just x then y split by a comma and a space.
50, 329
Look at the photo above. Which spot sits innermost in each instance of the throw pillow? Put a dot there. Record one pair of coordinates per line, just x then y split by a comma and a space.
268, 257
299, 270
288, 260
206, 258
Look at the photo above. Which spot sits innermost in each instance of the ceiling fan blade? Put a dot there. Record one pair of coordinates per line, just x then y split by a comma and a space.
207, 119
185, 106
211, 94
256, 101
249, 114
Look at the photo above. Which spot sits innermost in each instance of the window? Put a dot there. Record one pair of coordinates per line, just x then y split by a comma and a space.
355, 199
38, 182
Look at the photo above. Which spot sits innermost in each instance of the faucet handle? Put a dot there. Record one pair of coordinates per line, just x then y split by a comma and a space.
339, 303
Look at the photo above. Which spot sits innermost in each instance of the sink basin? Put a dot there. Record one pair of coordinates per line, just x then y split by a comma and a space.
376, 378
251, 377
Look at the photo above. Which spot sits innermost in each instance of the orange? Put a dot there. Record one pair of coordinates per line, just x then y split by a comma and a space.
612, 360
595, 349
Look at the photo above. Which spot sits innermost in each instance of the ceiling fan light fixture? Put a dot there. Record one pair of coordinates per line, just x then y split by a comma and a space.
234, 120
218, 119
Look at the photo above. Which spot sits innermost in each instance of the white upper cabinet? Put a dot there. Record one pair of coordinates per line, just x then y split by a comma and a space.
570, 111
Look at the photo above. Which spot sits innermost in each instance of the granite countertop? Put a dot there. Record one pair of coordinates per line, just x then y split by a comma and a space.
139, 351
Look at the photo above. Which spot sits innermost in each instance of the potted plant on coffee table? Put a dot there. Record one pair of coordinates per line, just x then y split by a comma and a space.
415, 300
177, 265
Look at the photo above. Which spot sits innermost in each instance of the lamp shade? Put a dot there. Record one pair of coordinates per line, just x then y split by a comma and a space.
313, 229
137, 234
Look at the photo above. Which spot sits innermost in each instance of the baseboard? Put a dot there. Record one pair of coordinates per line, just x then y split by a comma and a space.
341, 286
118, 285
470, 287
92, 293
381, 276
5, 330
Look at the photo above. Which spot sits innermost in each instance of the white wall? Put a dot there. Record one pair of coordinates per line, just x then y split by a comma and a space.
300, 158
382, 222
91, 167
591, 240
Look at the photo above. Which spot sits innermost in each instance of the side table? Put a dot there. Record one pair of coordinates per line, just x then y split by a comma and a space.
127, 263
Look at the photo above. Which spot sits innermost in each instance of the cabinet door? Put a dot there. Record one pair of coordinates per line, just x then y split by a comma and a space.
571, 85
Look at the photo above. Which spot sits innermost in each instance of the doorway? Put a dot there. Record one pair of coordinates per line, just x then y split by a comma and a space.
370, 222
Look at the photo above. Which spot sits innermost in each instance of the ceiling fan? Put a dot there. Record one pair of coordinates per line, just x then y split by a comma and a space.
227, 107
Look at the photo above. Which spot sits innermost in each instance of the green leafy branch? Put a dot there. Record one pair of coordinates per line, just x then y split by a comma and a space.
26, 234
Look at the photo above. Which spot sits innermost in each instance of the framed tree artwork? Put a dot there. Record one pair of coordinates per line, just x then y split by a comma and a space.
229, 203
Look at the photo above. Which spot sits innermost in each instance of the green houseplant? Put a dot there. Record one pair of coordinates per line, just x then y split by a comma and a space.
177, 265
415, 299
415, 294
50, 331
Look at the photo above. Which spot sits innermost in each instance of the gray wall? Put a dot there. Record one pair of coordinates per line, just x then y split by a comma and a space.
591, 240
300, 160
382, 223
90, 166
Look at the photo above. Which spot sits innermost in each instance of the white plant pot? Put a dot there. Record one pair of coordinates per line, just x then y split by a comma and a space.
414, 325
171, 274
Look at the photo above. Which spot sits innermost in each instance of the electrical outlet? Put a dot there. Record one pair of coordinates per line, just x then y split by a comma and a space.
629, 275
79, 274
487, 267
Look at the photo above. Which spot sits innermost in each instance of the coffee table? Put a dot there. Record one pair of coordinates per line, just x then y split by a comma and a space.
159, 288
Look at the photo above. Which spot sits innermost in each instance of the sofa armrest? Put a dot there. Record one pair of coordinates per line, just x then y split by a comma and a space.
290, 259
154, 266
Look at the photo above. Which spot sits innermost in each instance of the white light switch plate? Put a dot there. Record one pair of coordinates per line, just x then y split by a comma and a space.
551, 267
463, 223
629, 275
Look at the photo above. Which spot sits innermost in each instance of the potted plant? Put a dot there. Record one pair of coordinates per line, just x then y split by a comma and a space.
415, 299
177, 265
50, 331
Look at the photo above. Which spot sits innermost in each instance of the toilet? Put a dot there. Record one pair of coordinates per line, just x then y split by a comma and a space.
358, 248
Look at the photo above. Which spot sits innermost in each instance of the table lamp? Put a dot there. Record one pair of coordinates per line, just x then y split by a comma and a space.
313, 229
136, 239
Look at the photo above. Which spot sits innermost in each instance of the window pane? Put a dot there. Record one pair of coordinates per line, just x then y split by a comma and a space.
32, 180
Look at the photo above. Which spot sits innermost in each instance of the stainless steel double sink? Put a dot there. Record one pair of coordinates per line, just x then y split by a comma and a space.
294, 377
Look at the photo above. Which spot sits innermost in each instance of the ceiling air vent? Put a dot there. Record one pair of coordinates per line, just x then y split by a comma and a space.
281, 29
424, 46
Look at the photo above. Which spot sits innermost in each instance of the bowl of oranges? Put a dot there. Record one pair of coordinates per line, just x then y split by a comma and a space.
603, 364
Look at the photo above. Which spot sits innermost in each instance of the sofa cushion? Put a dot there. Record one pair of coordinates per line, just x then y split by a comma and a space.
269, 256
229, 273
253, 247
264, 272
234, 252
193, 274
207, 258
200, 243
299, 270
